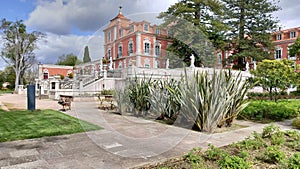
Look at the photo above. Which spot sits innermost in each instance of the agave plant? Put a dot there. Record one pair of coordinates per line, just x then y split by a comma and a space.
208, 100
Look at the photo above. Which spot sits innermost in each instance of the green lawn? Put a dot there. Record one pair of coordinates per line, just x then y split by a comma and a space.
22, 124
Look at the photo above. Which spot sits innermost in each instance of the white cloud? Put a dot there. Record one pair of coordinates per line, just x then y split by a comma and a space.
289, 13
54, 46
63, 17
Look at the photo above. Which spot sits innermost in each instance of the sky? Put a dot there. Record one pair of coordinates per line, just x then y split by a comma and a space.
70, 25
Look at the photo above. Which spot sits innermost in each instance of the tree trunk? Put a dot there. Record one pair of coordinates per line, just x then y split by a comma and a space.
17, 81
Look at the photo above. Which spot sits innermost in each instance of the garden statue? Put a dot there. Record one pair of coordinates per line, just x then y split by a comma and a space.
247, 66
167, 64
192, 57
110, 63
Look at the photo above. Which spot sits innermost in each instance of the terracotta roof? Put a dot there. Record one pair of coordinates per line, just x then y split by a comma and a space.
120, 15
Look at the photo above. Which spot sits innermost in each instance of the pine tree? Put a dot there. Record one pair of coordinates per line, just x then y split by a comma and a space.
251, 23
86, 56
197, 28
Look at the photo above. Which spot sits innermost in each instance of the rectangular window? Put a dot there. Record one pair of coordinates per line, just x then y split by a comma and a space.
120, 52
292, 34
146, 27
290, 57
147, 48
108, 36
131, 28
157, 50
278, 37
121, 32
130, 48
220, 58
157, 31
53, 85
278, 54
108, 54
46, 75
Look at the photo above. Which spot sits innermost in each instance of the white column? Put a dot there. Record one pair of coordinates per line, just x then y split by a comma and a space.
138, 49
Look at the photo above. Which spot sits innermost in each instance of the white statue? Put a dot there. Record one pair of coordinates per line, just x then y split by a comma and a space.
167, 64
125, 64
254, 65
247, 66
155, 63
192, 57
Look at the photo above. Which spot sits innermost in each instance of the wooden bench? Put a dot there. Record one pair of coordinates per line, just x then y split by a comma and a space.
66, 102
106, 103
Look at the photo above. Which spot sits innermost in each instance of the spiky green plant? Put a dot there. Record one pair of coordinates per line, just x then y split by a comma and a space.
207, 100
139, 94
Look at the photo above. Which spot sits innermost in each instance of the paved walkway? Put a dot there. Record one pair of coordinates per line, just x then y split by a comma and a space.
124, 142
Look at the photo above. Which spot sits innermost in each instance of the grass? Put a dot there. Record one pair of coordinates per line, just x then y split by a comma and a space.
6, 91
272, 148
23, 124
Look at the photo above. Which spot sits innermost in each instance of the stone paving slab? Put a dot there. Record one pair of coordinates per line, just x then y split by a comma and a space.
124, 142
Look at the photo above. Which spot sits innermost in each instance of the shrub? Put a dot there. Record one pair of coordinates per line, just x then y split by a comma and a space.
213, 153
269, 130
296, 123
274, 155
294, 161
259, 110
234, 162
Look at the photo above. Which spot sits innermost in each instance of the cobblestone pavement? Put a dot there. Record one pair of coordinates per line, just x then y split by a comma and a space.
124, 142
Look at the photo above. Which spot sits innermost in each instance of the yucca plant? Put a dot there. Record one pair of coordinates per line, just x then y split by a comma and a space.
164, 99
139, 94
207, 100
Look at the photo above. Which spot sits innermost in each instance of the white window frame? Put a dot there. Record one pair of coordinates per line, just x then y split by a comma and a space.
131, 28
120, 52
121, 32
147, 63
109, 36
293, 34
108, 54
147, 51
157, 52
278, 37
157, 31
146, 27
277, 53
220, 58
130, 47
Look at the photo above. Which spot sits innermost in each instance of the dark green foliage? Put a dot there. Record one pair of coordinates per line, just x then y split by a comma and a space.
196, 27
294, 161
68, 60
294, 50
86, 55
250, 25
268, 110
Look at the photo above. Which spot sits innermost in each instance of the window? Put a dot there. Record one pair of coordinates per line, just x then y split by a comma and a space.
130, 48
108, 54
170, 34
290, 57
157, 49
157, 31
108, 36
146, 27
278, 53
120, 51
46, 74
147, 48
147, 63
292, 34
131, 28
121, 32
52, 85
278, 37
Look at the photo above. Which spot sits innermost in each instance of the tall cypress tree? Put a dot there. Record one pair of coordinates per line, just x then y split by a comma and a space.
251, 23
86, 56
197, 28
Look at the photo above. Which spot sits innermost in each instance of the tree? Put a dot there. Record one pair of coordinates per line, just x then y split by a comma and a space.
86, 56
68, 60
275, 74
197, 28
18, 47
294, 50
250, 23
